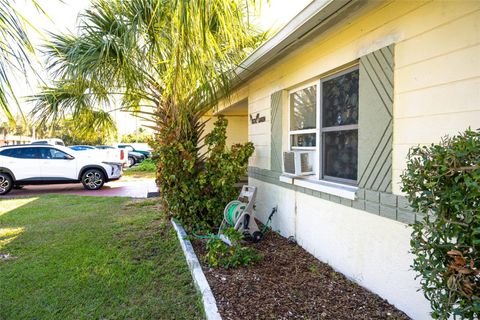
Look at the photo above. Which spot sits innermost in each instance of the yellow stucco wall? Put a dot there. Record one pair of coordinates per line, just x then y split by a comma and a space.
437, 71
237, 130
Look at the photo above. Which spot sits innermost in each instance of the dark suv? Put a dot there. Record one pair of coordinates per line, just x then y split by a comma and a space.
146, 153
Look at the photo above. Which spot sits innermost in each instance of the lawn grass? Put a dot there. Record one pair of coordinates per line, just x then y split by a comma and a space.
129, 174
145, 169
75, 257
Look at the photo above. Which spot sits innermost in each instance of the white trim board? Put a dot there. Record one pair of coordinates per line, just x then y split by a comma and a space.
336, 189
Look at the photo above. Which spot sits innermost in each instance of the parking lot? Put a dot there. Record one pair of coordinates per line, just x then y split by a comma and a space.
134, 188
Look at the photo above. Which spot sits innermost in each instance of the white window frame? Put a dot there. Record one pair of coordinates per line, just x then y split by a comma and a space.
319, 130
305, 131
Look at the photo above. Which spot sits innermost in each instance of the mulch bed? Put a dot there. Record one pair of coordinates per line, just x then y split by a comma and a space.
289, 283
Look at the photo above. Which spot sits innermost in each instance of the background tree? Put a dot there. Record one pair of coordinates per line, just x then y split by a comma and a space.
19, 126
4, 130
74, 132
143, 136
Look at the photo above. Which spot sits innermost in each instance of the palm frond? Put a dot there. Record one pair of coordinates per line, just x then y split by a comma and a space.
15, 51
177, 56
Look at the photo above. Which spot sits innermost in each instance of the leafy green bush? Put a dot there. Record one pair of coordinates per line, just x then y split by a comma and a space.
194, 187
147, 165
442, 182
220, 254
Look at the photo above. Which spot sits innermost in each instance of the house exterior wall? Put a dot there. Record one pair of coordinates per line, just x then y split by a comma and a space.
437, 71
237, 129
436, 92
370, 250
235, 109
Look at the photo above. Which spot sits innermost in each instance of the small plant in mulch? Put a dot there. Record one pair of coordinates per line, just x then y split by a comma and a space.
219, 254
442, 182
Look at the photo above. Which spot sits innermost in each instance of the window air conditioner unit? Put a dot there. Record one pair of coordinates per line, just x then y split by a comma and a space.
298, 163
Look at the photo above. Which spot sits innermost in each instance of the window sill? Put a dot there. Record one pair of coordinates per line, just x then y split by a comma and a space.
310, 182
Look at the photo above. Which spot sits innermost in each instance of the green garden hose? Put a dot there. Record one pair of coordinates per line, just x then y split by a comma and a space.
233, 211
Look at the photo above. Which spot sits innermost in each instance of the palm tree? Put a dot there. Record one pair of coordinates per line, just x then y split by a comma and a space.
169, 61
150, 53
15, 51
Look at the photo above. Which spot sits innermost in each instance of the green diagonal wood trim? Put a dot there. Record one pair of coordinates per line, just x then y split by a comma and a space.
375, 133
276, 102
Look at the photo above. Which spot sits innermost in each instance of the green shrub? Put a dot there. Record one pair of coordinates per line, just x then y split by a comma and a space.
147, 165
194, 188
219, 254
442, 182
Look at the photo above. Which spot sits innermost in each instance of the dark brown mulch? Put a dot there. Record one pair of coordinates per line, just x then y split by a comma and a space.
289, 283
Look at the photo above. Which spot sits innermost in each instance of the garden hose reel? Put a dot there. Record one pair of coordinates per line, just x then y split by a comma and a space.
240, 215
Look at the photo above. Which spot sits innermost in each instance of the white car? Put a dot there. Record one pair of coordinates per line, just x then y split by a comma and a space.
52, 141
106, 152
46, 164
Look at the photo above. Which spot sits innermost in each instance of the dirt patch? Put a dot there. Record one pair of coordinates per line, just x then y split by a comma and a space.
289, 283
6, 256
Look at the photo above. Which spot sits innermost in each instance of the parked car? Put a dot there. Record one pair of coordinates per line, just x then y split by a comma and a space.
133, 157
132, 147
105, 147
46, 164
112, 154
52, 141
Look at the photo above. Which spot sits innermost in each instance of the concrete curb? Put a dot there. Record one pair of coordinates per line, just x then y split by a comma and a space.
209, 303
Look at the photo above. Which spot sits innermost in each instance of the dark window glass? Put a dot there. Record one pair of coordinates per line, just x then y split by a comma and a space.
6, 153
340, 100
52, 153
22, 153
340, 154
303, 109
304, 140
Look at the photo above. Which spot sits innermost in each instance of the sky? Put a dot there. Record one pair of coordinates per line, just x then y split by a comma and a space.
62, 16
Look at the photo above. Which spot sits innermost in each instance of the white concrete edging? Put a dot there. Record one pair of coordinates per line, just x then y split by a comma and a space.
201, 283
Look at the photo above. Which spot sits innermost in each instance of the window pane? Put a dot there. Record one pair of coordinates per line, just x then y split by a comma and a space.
340, 100
303, 109
340, 154
27, 153
304, 140
51, 153
57, 154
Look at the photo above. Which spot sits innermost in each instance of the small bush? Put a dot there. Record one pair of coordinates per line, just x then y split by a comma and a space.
219, 254
442, 182
194, 187
147, 165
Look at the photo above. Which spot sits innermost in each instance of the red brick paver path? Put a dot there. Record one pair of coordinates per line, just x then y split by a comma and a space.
129, 188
